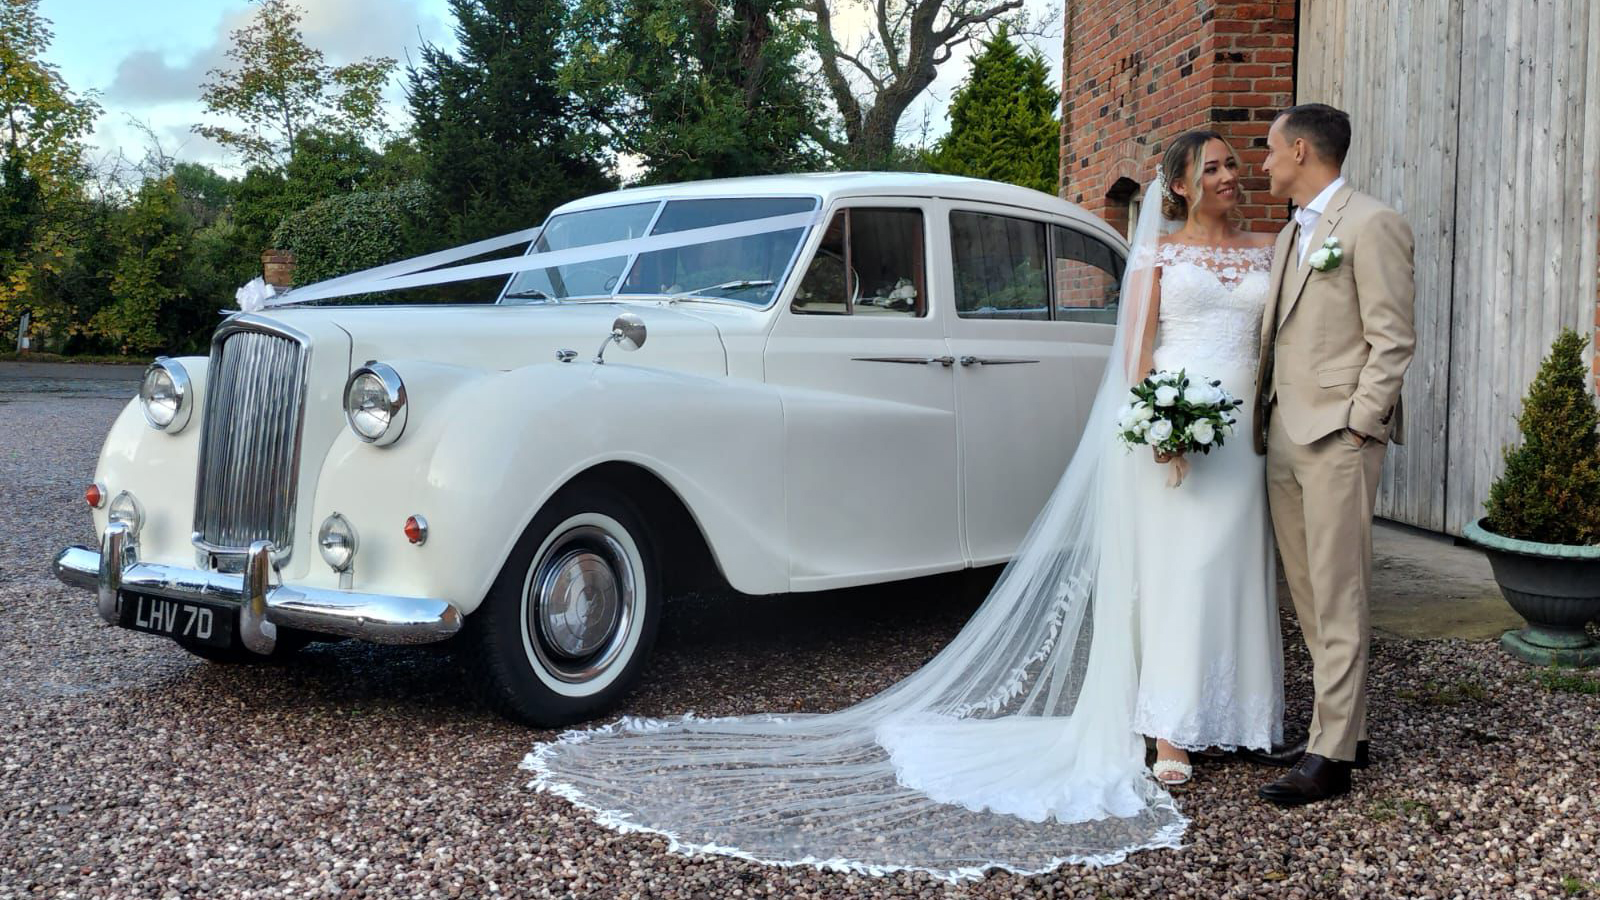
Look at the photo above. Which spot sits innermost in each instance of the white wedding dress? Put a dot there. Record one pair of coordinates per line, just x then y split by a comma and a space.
1129, 608
1211, 660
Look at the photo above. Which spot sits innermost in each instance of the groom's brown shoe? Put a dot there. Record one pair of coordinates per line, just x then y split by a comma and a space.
1313, 778
1285, 755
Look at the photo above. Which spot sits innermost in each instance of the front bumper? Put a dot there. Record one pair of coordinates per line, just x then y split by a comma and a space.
262, 606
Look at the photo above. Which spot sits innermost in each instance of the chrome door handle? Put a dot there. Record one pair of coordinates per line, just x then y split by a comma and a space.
946, 361
987, 361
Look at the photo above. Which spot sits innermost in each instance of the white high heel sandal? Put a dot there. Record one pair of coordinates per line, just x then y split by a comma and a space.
1182, 770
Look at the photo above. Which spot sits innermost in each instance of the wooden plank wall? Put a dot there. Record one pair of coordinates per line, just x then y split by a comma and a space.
1381, 61
1480, 121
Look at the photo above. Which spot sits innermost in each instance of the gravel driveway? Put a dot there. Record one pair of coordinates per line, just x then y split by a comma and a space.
131, 769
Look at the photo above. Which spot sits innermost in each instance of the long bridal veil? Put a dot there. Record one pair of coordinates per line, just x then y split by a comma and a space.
1012, 748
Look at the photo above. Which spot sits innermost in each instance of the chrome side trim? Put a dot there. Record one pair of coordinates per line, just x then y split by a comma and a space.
988, 361
946, 361
380, 618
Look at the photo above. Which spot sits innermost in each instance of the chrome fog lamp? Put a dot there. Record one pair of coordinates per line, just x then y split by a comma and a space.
375, 404
337, 541
165, 395
125, 510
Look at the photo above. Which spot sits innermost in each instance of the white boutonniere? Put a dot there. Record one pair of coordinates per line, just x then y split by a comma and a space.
1327, 257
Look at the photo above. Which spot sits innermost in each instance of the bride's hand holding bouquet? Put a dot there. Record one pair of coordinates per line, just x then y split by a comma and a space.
1174, 415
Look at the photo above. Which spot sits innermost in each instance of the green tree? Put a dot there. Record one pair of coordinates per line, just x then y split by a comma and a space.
146, 277
353, 231
323, 165
698, 88
41, 172
1003, 123
282, 88
875, 75
503, 142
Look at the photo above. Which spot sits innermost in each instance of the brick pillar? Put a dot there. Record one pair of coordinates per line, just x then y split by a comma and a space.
277, 268
1139, 72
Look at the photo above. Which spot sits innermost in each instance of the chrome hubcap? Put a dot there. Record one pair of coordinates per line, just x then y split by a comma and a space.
580, 604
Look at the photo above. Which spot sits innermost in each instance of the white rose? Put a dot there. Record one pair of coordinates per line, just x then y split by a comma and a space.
1318, 259
1331, 242
1203, 394
1226, 431
1166, 395
1142, 427
1202, 432
1160, 430
1142, 412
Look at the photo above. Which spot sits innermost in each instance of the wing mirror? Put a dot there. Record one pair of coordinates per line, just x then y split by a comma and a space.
627, 331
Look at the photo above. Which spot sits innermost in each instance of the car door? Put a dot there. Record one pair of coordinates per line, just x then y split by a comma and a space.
860, 361
1034, 317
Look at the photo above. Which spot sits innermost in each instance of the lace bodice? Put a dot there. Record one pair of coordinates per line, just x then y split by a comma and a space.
1211, 304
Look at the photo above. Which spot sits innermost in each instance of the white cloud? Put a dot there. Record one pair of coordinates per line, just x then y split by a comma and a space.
343, 30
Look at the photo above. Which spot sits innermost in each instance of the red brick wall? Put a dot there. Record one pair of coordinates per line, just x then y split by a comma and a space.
1139, 72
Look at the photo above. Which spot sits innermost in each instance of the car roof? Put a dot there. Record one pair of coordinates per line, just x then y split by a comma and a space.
830, 186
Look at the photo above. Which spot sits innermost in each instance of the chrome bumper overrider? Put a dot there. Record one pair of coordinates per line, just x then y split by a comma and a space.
262, 606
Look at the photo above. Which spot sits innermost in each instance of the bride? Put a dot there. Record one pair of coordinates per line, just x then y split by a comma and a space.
1131, 610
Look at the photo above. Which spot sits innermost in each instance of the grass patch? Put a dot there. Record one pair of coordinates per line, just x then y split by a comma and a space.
1566, 681
35, 356
1387, 810
1574, 886
1455, 693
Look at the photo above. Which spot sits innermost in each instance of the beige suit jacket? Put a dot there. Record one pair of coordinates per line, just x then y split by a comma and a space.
1335, 344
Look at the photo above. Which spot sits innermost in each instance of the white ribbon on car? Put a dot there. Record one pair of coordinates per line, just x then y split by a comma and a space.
422, 271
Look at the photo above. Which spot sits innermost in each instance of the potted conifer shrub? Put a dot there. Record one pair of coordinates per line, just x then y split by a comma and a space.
1542, 531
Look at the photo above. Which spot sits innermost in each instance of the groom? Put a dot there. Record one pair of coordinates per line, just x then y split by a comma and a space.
1336, 339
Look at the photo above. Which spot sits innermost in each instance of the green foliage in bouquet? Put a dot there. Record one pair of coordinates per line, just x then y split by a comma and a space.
1550, 492
1174, 413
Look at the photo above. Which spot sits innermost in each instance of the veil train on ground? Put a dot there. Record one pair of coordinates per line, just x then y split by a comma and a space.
1013, 748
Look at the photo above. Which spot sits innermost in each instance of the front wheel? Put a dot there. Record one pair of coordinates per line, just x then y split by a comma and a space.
565, 630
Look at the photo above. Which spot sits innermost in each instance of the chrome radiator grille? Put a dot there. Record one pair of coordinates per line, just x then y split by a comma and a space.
250, 445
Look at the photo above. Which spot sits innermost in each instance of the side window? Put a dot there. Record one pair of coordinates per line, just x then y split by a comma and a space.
1088, 277
870, 262
999, 264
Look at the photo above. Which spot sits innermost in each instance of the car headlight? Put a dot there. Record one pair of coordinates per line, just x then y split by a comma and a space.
375, 404
126, 510
165, 395
337, 541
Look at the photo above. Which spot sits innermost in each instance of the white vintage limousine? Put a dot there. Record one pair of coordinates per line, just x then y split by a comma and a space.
848, 379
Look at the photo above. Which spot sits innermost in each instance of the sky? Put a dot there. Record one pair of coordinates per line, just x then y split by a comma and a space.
147, 60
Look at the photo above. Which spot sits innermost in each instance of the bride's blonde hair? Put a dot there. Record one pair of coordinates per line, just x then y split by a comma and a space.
1183, 161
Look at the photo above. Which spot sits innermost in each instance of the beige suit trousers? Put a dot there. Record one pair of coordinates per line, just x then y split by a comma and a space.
1322, 497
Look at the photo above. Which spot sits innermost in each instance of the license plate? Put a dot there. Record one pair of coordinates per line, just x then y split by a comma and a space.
197, 623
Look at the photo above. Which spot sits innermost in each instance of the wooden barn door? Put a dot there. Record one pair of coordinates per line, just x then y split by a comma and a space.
1480, 121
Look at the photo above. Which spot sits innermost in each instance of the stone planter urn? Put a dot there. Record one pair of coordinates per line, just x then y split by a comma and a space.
1555, 587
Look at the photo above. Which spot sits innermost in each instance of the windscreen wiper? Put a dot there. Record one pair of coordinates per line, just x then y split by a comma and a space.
738, 285
529, 294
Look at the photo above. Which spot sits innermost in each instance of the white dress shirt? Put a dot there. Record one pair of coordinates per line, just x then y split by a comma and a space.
1308, 216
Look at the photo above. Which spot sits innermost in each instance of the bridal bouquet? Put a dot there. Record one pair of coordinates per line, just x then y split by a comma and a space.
1176, 414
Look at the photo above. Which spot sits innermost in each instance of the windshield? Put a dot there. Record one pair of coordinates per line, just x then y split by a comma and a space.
580, 229
745, 268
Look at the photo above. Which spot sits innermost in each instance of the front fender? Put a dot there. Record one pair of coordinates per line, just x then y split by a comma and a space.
482, 454
159, 470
